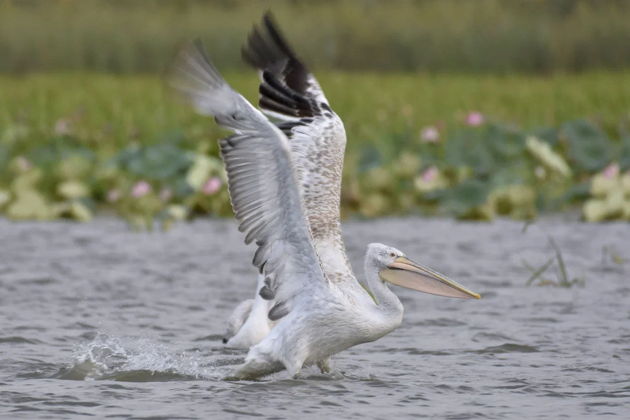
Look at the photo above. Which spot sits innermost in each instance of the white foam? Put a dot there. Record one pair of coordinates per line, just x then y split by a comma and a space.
107, 355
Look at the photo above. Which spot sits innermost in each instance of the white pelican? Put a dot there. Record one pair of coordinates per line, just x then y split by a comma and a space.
284, 181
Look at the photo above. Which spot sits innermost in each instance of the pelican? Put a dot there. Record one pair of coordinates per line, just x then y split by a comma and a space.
284, 179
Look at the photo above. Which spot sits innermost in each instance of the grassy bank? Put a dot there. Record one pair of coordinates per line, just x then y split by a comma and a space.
395, 35
417, 143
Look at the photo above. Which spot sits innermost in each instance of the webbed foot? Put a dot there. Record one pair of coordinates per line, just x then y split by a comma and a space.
324, 365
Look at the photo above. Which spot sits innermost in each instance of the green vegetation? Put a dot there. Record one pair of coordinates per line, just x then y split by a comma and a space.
497, 36
562, 276
468, 146
467, 108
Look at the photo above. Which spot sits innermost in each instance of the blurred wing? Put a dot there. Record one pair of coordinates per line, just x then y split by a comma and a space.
261, 180
290, 93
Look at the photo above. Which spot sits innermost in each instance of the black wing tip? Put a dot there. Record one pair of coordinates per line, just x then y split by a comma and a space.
266, 46
284, 89
276, 34
247, 56
198, 43
269, 18
248, 51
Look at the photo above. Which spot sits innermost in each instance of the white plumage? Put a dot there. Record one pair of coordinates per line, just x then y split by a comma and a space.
284, 181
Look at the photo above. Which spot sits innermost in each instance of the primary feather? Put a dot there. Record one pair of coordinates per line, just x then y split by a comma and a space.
291, 94
261, 179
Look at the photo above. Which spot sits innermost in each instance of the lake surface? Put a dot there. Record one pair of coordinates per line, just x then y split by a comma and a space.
96, 320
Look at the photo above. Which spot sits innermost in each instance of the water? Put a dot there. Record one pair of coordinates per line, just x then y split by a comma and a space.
96, 320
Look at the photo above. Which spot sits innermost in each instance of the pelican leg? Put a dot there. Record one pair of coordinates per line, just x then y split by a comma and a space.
294, 369
324, 365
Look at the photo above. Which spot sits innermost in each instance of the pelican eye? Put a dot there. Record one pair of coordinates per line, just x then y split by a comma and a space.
391, 254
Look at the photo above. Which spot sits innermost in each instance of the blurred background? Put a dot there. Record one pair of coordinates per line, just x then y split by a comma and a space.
469, 109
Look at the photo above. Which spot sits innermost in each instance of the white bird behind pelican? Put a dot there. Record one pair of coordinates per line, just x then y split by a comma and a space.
284, 183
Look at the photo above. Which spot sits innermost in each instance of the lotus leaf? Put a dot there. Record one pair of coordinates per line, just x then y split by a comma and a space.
29, 204
74, 167
379, 179
5, 196
614, 203
595, 210
517, 201
624, 152
602, 185
465, 200
407, 165
80, 211
158, 162
588, 146
177, 212
506, 143
373, 205
467, 148
26, 180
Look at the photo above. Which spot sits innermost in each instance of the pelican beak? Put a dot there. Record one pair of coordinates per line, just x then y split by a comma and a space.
406, 273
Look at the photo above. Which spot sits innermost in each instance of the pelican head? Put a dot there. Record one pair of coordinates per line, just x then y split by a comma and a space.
395, 268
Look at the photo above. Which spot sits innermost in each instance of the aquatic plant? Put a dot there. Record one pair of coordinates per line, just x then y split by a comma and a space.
562, 278
610, 195
123, 145
610, 253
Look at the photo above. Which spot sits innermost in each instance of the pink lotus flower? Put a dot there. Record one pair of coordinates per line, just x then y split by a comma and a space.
211, 186
113, 195
141, 189
430, 134
166, 194
430, 174
475, 118
611, 171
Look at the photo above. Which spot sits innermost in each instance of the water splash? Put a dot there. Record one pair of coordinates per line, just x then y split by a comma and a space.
140, 360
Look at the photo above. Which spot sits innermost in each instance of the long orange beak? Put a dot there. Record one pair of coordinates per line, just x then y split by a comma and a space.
406, 273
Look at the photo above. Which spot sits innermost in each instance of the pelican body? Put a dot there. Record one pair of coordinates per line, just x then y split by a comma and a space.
284, 179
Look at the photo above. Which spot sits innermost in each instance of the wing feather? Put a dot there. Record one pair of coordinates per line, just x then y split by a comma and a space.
290, 93
261, 179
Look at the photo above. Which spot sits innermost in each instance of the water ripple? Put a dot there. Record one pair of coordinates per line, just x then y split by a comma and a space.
132, 324
19, 340
508, 348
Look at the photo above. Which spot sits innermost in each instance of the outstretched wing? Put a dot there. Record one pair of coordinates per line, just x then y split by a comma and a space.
261, 180
290, 93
